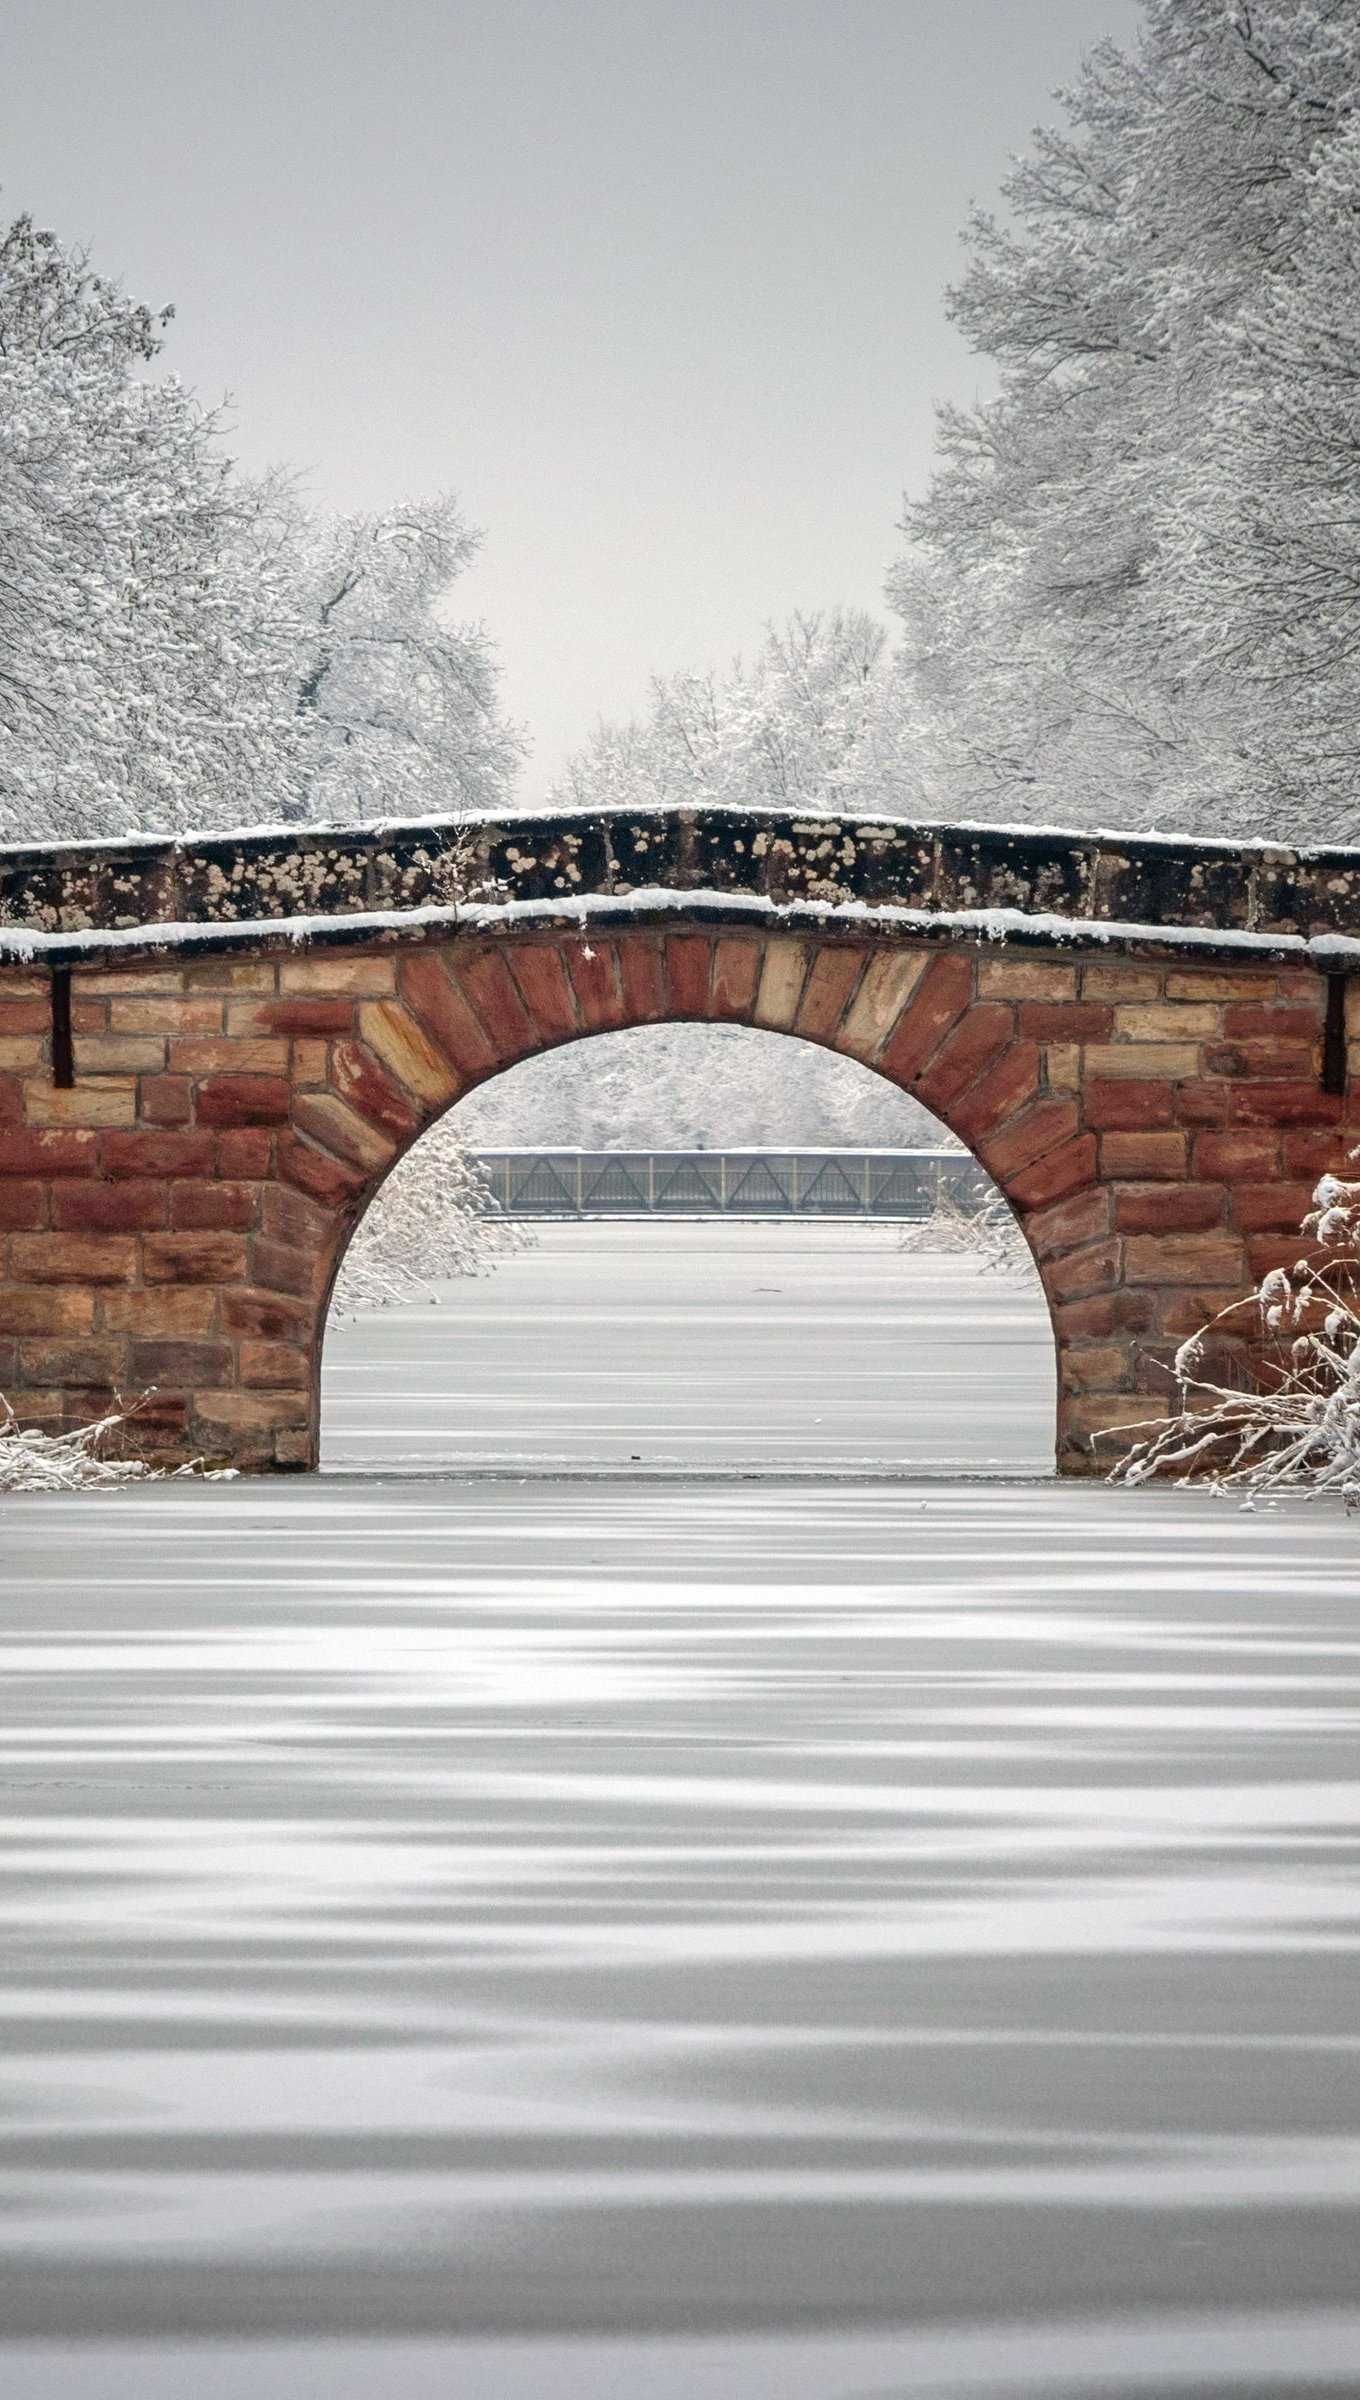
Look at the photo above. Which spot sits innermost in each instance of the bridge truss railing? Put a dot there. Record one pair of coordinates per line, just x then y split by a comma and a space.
736, 1183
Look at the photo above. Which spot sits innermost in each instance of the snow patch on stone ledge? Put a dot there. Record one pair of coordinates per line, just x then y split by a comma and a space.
21, 945
545, 813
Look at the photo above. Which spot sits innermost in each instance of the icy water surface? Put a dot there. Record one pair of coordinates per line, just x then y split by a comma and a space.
707, 1346
634, 1940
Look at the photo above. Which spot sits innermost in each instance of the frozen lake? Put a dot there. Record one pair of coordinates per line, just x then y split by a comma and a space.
655, 1938
704, 1345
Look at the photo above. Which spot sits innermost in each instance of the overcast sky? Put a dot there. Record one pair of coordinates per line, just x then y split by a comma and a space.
655, 285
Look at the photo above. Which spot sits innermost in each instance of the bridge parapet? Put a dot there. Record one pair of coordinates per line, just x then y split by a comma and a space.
314, 873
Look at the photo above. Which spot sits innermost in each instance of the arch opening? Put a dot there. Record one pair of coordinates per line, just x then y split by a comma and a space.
707, 1325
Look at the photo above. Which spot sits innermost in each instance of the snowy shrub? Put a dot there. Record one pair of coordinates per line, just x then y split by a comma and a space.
1296, 1424
33, 1461
983, 1229
435, 1217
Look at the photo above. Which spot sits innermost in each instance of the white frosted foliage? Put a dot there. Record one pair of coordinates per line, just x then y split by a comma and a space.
432, 1219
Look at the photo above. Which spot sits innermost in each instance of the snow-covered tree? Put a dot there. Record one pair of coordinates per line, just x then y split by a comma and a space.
434, 1218
819, 719
183, 646
659, 1087
1092, 575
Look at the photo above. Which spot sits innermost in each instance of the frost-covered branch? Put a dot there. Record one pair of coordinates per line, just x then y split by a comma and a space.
434, 1218
1295, 1422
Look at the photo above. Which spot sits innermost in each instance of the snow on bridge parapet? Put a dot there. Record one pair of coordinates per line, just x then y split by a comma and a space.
311, 880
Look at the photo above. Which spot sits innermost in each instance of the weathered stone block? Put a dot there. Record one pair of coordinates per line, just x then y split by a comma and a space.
492, 993
266, 1315
81, 1258
179, 1016
1068, 1224
889, 981
938, 1002
203, 1207
371, 1092
1121, 983
1216, 1261
1234, 1157
1243, 1062
318, 1172
219, 1055
1160, 1062
783, 972
642, 976
276, 1366
1025, 979
1058, 1172
593, 970
1024, 1138
1270, 1207
170, 1310
243, 1100
340, 1129
149, 1152
1144, 1156
50, 1308
979, 1038
688, 961
331, 973
102, 1363
999, 1095
167, 1100
1168, 1021
193, 1258
435, 998
90, 1104
118, 1054
405, 1049
261, 1412
183, 1365
289, 1018
23, 1205
23, 1152
1053, 1021
1170, 1208
1080, 1272
545, 988
736, 974
1108, 1369
833, 977
123, 1206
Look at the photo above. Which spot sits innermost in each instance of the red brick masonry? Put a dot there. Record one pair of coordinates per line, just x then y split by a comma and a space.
174, 1222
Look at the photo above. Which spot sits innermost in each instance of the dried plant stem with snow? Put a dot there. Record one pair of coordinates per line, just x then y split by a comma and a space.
435, 1217
1297, 1427
32, 1461
984, 1230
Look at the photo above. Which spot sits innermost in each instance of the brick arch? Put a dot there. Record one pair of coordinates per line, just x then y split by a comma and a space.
967, 1034
175, 1218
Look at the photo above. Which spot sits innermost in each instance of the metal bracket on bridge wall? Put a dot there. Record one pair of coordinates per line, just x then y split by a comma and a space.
1334, 1037
63, 1048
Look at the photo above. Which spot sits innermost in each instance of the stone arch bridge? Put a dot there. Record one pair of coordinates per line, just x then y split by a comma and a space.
212, 1052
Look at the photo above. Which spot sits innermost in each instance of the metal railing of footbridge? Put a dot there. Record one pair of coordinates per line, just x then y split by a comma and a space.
733, 1183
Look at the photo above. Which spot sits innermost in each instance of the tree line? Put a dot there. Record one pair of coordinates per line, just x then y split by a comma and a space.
1130, 595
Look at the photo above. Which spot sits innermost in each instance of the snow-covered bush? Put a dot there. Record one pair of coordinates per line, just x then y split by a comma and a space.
34, 1461
434, 1218
1296, 1423
983, 1229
